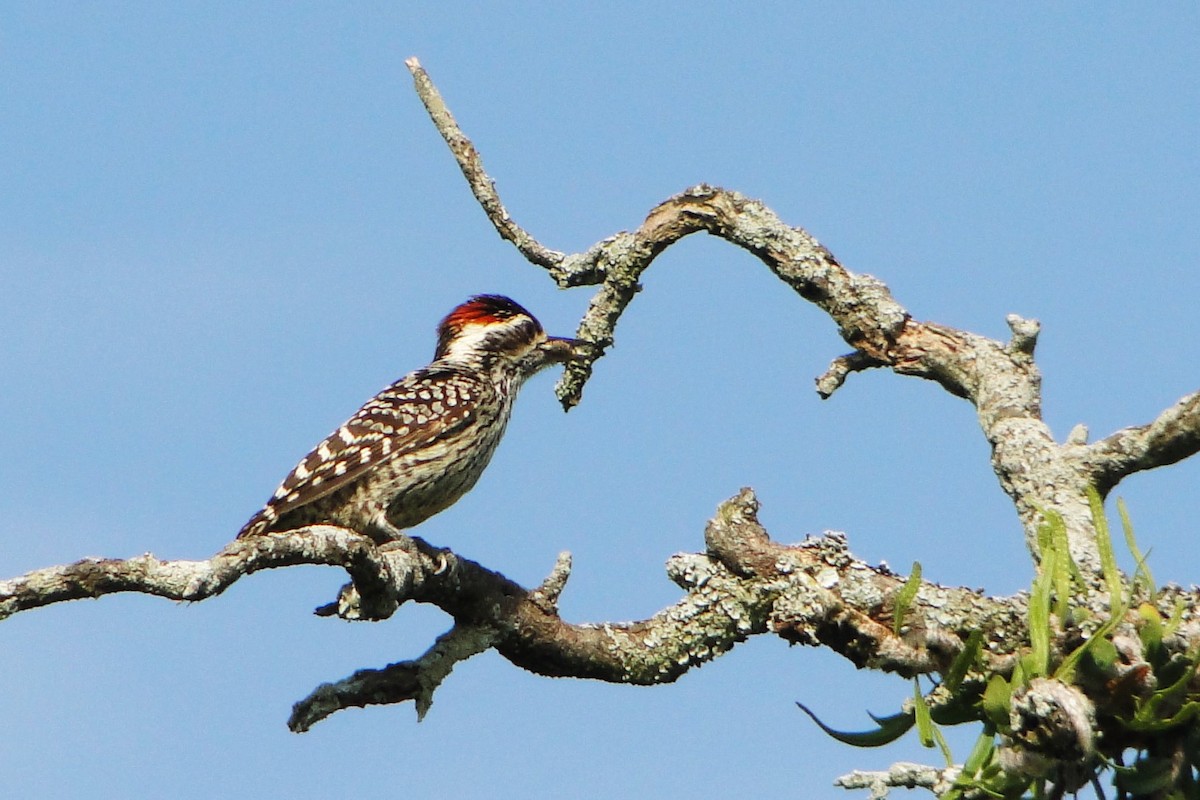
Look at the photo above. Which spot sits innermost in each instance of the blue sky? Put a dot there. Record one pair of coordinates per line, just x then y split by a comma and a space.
224, 226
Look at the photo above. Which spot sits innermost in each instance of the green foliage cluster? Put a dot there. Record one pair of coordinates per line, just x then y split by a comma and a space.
1144, 692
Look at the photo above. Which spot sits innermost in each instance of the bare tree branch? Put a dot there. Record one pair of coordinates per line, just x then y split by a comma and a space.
1000, 379
395, 683
901, 775
1172, 437
552, 587
472, 167
812, 593
197, 580
744, 584
840, 369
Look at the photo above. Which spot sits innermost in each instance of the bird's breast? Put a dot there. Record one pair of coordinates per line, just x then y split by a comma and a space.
424, 483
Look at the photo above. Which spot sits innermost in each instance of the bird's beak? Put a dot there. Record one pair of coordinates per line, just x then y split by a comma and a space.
558, 349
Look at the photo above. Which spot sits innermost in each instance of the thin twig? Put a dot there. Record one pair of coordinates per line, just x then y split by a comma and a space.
471, 164
396, 683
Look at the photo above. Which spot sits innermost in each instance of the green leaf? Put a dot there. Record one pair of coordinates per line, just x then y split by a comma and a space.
963, 662
1066, 670
956, 711
1108, 562
997, 698
1147, 718
1102, 653
1176, 618
1021, 674
1053, 539
1155, 725
927, 732
979, 784
890, 729
905, 596
1142, 572
1045, 537
943, 745
981, 753
1146, 777
1039, 615
1061, 565
1150, 631
921, 711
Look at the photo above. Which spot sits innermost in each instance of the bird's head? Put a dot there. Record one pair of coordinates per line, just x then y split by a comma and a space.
490, 330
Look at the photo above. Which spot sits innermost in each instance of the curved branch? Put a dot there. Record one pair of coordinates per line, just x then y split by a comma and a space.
472, 168
395, 683
746, 584
198, 580
840, 369
1172, 436
1000, 379
901, 775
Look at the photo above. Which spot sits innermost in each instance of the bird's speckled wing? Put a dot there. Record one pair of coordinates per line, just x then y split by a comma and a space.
410, 415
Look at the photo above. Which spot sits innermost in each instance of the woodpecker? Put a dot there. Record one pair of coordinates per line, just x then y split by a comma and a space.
420, 444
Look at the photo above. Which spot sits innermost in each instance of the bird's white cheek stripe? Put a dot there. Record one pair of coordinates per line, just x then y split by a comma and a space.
469, 341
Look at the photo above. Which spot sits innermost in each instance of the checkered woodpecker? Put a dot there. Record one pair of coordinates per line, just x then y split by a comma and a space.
420, 444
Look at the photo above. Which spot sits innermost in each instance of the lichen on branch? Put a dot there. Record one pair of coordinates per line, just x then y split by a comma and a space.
1000, 379
744, 584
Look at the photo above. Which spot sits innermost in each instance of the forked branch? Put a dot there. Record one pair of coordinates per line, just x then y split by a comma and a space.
745, 584
1000, 379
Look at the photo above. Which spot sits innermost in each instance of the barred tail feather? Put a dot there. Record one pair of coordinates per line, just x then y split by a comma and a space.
259, 523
